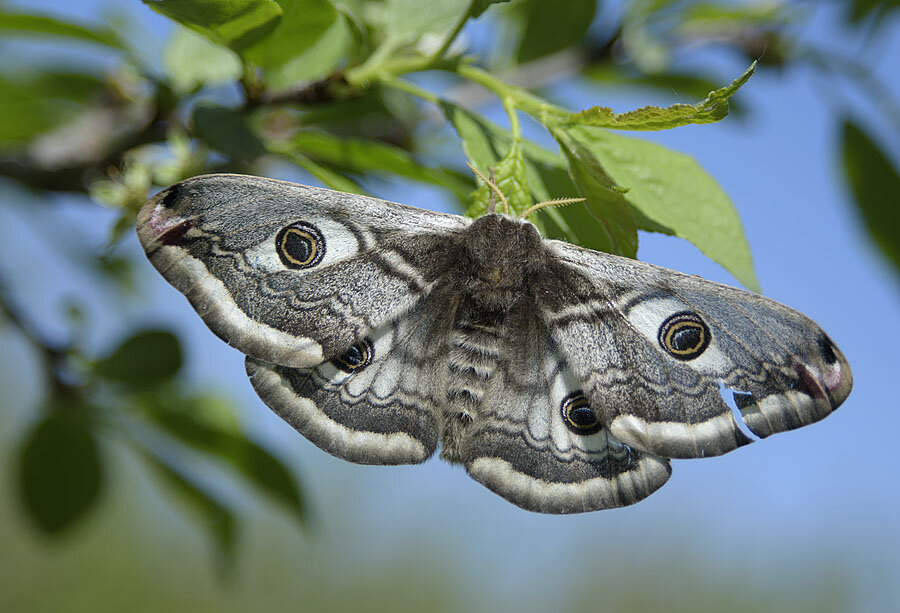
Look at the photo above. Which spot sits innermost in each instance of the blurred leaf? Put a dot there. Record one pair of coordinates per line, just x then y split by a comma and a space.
119, 268
303, 24
604, 199
875, 184
672, 190
879, 10
328, 176
145, 358
214, 516
234, 23
60, 472
42, 25
31, 107
228, 131
367, 156
187, 419
191, 60
719, 16
480, 6
371, 116
407, 20
319, 60
709, 110
549, 27
22, 114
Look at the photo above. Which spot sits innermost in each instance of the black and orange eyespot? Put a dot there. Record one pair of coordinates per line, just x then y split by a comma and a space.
356, 358
684, 335
300, 245
578, 415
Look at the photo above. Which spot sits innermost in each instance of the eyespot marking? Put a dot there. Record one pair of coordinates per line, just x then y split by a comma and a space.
300, 245
578, 415
684, 335
356, 358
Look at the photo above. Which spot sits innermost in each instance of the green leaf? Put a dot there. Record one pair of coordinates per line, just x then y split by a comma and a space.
228, 131
23, 24
680, 84
213, 515
145, 358
878, 10
672, 190
233, 23
407, 20
303, 24
874, 183
545, 172
191, 61
371, 156
483, 143
22, 114
716, 17
709, 110
195, 421
34, 106
604, 199
574, 222
510, 176
480, 6
331, 178
60, 472
319, 60
549, 29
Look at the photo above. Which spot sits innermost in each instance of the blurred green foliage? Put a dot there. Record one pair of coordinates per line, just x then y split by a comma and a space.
332, 88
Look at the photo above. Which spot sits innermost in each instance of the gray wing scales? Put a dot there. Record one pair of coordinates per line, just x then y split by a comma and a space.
375, 404
292, 274
533, 441
656, 349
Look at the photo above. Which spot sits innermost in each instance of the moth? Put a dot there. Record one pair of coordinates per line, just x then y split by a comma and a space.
561, 378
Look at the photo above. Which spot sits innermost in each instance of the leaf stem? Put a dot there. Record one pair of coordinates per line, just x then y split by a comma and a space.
437, 55
375, 66
521, 99
411, 88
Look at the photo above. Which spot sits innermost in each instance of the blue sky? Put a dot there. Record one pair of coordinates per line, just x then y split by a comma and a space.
826, 495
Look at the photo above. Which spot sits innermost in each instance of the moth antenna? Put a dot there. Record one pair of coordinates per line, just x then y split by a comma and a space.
492, 201
546, 203
495, 191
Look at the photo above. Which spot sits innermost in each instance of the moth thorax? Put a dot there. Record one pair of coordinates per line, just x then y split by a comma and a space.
503, 254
